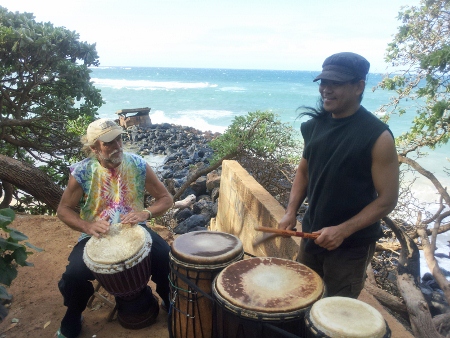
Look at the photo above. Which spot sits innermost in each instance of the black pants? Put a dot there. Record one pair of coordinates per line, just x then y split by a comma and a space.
76, 287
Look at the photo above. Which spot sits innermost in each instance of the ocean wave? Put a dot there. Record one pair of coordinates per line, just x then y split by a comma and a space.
232, 89
150, 85
188, 120
207, 113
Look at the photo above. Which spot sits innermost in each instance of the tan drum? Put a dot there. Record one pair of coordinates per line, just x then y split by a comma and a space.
339, 317
263, 296
198, 257
120, 260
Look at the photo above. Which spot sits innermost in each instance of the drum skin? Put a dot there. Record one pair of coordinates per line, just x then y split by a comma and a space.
258, 296
341, 317
128, 276
199, 256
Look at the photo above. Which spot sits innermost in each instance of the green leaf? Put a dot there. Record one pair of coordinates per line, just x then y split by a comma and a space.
8, 245
7, 273
33, 247
20, 255
17, 235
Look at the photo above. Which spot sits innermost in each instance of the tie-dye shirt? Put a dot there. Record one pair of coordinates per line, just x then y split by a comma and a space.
109, 190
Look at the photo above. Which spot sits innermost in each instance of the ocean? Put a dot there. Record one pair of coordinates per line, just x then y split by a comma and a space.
209, 99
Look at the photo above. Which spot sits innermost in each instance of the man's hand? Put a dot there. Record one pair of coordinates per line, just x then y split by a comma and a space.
288, 222
97, 228
330, 237
134, 217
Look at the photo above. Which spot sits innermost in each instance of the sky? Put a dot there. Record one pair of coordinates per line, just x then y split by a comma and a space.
237, 34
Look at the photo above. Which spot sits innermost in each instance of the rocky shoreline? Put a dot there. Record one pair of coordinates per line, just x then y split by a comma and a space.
185, 151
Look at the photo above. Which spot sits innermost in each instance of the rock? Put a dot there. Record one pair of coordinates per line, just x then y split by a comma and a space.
212, 180
190, 223
183, 214
199, 186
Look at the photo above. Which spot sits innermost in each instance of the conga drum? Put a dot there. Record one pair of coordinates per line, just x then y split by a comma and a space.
197, 257
337, 317
121, 263
264, 297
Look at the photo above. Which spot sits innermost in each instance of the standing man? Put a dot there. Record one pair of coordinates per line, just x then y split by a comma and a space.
349, 173
106, 182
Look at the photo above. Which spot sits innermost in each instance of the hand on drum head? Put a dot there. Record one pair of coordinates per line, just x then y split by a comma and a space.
134, 217
97, 228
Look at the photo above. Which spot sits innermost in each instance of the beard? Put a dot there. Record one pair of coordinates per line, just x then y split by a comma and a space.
110, 159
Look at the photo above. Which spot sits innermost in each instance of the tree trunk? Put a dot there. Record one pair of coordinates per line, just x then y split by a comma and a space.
8, 189
31, 180
407, 280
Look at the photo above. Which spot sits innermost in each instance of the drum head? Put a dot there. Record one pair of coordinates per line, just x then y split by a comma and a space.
347, 317
116, 246
269, 285
206, 247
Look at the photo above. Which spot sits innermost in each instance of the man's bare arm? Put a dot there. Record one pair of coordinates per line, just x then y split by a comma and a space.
296, 197
67, 211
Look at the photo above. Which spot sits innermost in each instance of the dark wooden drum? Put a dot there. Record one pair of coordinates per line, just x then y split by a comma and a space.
252, 293
345, 317
120, 260
198, 257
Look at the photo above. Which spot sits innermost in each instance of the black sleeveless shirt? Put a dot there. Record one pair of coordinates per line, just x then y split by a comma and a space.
339, 155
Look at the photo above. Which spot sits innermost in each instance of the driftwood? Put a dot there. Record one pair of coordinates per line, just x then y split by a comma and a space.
387, 300
388, 246
442, 322
187, 202
407, 280
433, 264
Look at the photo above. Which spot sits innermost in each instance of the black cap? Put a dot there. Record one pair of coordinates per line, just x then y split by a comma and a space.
344, 67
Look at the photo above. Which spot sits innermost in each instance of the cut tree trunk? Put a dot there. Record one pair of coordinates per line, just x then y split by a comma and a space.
407, 281
31, 180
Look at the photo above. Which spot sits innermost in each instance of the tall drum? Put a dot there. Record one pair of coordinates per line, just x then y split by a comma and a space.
256, 292
337, 317
197, 257
121, 262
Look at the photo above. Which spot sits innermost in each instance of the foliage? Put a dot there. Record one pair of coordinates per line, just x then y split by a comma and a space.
12, 253
265, 147
420, 57
46, 92
420, 54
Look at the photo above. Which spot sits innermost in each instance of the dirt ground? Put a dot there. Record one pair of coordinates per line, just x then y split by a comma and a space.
37, 307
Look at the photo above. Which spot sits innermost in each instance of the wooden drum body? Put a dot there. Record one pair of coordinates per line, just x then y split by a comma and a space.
339, 317
198, 257
255, 292
120, 260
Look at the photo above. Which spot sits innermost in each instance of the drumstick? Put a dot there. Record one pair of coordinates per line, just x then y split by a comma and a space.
287, 232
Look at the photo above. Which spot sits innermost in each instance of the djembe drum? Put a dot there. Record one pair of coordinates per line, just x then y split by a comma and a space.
195, 259
121, 263
263, 296
337, 317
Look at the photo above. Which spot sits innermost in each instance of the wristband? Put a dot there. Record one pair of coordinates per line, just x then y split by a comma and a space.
149, 213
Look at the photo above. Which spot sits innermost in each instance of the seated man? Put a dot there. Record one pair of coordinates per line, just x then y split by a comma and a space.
108, 182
